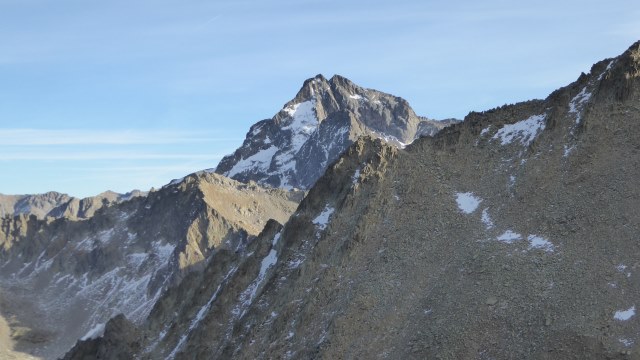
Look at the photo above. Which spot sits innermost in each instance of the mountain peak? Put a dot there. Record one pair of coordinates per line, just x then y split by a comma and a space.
614, 78
309, 90
294, 148
319, 86
339, 80
630, 61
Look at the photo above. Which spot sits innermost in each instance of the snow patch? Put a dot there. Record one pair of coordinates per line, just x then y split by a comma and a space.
606, 70
88, 244
467, 202
538, 242
163, 251
248, 296
621, 267
303, 122
322, 220
200, 315
258, 161
294, 264
624, 315
577, 103
626, 342
485, 131
95, 332
567, 150
509, 237
256, 130
136, 259
486, 219
525, 131
390, 139
356, 176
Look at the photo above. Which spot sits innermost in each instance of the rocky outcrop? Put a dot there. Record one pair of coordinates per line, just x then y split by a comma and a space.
56, 205
295, 147
223, 296
61, 280
119, 340
511, 235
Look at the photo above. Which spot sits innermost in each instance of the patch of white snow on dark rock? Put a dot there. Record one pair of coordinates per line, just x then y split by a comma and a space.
322, 220
467, 202
509, 237
524, 131
624, 315
538, 242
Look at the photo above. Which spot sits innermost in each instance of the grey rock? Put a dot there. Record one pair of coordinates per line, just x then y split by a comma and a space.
295, 147
491, 301
61, 278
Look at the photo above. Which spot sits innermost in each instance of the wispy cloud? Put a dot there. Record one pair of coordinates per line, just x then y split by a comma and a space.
34, 137
103, 155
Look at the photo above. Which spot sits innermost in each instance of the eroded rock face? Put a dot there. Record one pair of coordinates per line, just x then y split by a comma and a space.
61, 280
226, 293
118, 342
511, 235
295, 147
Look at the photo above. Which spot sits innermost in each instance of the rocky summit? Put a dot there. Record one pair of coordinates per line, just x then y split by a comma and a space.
295, 147
511, 235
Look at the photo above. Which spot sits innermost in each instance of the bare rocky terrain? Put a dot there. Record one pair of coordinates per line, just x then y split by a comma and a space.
511, 235
61, 280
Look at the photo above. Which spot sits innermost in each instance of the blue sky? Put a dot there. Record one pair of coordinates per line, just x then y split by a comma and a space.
131, 94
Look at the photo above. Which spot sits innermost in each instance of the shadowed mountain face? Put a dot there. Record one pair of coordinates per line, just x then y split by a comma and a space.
511, 235
61, 280
295, 147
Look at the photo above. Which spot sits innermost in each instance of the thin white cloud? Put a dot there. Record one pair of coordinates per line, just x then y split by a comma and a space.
33, 137
102, 155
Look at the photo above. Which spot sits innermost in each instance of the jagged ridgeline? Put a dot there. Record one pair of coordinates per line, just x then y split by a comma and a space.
295, 147
61, 280
511, 235
69, 265
56, 205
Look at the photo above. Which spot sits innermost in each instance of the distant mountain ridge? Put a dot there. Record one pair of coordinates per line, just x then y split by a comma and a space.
295, 147
62, 280
56, 205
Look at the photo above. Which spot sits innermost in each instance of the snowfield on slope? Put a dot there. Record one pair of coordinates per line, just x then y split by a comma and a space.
524, 131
